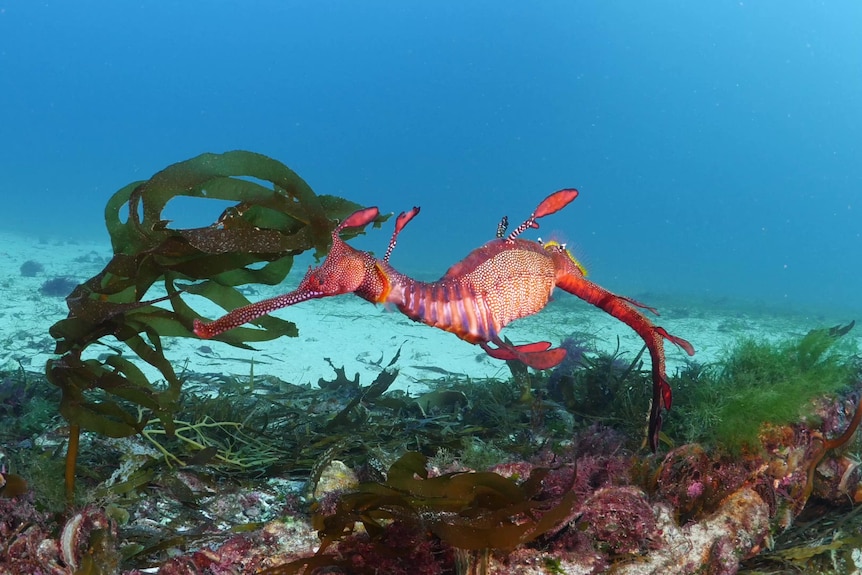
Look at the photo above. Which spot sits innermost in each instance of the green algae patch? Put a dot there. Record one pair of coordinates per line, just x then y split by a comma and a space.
727, 403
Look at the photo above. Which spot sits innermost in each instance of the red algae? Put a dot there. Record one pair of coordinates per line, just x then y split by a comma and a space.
620, 521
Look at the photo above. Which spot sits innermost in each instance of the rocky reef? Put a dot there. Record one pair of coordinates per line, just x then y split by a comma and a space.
530, 501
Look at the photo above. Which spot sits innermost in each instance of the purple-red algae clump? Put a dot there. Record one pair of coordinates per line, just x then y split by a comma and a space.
620, 521
234, 554
401, 549
22, 530
694, 484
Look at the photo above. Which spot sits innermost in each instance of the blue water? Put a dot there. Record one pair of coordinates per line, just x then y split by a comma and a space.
716, 145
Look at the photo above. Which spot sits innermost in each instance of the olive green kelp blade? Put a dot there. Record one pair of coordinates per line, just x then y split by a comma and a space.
274, 216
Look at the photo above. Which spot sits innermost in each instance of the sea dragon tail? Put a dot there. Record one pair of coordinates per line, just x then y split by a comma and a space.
625, 310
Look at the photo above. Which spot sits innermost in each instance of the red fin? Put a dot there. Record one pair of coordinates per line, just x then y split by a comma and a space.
503, 353
405, 217
689, 349
666, 394
636, 303
535, 355
555, 202
358, 219
532, 347
402, 220
544, 359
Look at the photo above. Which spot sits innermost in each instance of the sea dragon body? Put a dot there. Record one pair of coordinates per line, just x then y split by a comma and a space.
506, 279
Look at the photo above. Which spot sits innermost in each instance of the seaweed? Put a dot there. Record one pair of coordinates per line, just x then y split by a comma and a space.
57, 287
27, 402
826, 545
275, 216
605, 387
726, 404
31, 268
476, 512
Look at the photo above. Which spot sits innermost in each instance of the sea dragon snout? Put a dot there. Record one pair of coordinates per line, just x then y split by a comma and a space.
506, 279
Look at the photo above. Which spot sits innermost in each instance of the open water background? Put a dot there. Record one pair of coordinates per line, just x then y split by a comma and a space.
716, 145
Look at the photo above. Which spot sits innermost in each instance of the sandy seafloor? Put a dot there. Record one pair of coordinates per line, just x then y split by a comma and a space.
359, 336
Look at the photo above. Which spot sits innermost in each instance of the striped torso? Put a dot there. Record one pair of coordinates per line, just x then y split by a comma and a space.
493, 286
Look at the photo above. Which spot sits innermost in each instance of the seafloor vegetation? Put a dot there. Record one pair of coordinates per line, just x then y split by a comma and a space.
105, 471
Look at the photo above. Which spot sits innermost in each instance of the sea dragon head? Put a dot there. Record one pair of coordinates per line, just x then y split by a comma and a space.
343, 271
564, 261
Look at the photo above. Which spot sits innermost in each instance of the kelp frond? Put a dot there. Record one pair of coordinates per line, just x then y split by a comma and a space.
275, 215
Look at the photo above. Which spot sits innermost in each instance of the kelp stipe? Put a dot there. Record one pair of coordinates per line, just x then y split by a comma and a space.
267, 225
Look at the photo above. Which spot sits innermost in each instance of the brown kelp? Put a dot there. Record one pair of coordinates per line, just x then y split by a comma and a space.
276, 216
471, 512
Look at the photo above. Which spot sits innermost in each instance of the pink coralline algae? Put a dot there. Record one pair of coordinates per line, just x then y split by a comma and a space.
695, 490
619, 520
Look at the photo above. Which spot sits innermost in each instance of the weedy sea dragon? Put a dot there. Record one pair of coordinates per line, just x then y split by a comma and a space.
506, 279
